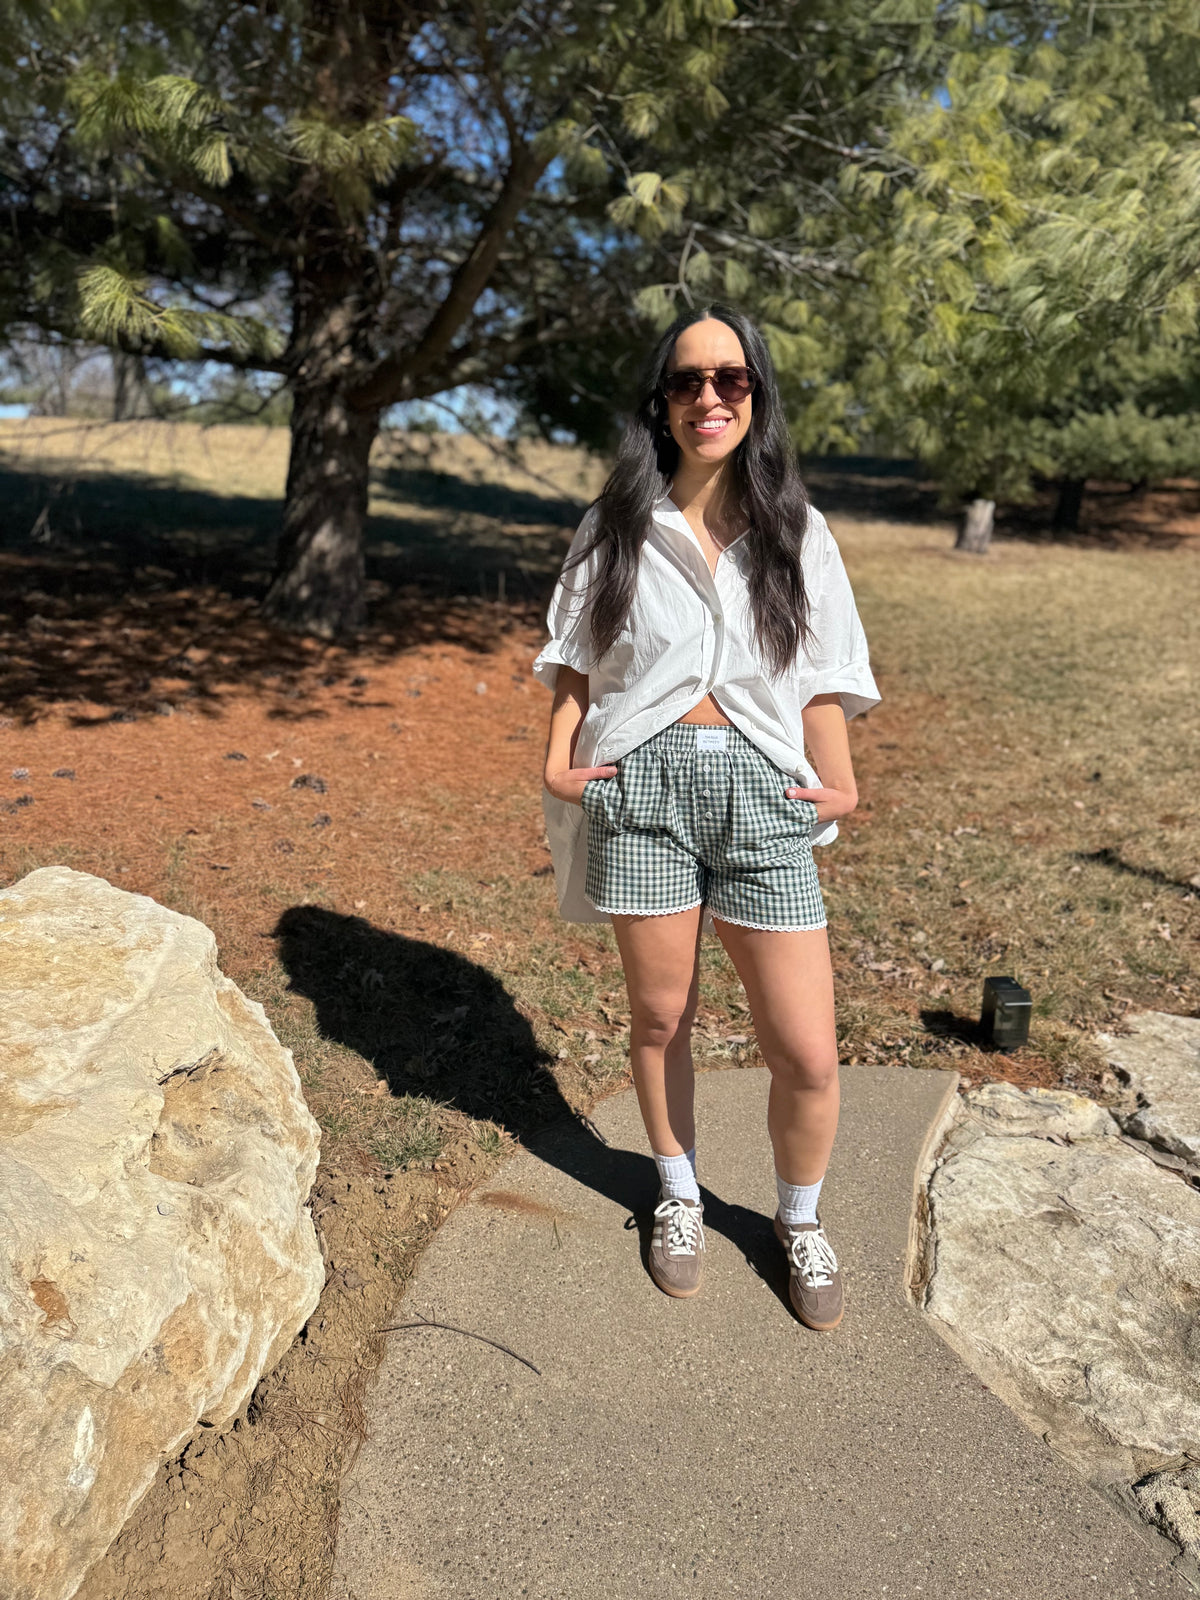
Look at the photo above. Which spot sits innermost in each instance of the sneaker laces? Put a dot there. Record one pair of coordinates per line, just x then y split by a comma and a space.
813, 1258
683, 1231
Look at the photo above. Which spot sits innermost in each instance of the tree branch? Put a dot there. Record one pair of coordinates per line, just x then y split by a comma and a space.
270, 238
782, 258
397, 378
476, 363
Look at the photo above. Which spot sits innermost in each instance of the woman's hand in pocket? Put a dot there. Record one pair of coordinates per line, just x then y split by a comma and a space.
569, 785
830, 803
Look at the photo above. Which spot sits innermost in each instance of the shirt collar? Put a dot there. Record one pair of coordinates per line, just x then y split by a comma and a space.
668, 515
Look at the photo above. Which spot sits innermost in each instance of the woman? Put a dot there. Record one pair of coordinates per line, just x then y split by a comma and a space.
703, 633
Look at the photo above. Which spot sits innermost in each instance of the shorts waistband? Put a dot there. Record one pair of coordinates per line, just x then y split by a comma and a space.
680, 737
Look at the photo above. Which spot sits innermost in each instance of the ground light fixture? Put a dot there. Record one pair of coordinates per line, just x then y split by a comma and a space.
1004, 1020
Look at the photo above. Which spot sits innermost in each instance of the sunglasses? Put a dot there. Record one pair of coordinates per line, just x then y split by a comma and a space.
732, 384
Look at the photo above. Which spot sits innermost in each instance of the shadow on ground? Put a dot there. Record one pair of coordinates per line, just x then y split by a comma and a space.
872, 487
1108, 857
140, 595
951, 1025
1112, 515
434, 1024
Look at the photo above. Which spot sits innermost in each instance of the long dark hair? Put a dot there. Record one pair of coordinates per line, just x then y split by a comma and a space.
763, 480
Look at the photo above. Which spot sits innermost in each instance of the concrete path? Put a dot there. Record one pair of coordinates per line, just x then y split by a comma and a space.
710, 1447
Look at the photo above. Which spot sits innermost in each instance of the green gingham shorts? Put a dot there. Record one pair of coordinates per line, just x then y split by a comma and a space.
682, 826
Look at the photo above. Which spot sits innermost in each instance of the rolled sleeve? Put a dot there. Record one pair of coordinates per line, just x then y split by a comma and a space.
565, 652
838, 659
569, 616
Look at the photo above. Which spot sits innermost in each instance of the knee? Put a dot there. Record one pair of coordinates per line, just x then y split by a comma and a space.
659, 1024
797, 1072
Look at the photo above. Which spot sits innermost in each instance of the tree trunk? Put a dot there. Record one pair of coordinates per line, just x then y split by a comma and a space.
131, 387
975, 531
1069, 504
319, 582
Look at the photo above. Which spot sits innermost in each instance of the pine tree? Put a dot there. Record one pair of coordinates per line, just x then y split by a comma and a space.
1034, 277
375, 202
948, 216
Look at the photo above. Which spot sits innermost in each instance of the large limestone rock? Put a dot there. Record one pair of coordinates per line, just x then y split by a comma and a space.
1159, 1059
156, 1256
1064, 1266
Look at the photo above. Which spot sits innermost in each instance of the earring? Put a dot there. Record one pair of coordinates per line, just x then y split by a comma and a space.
666, 430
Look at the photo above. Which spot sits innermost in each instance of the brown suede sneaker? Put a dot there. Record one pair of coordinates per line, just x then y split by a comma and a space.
677, 1247
815, 1284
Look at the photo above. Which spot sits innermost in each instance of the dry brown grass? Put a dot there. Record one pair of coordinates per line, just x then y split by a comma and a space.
232, 461
1029, 795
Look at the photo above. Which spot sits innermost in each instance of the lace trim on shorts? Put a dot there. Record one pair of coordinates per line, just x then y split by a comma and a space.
671, 911
770, 927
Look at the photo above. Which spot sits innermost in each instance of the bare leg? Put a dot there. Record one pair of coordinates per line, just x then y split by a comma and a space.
660, 956
788, 981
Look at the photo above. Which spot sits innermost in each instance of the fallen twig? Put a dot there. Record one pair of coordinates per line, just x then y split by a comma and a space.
448, 1327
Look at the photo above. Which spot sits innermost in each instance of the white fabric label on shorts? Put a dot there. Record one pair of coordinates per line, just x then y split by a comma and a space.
712, 738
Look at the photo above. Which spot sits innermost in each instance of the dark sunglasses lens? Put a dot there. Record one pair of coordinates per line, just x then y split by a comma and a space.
732, 384
683, 386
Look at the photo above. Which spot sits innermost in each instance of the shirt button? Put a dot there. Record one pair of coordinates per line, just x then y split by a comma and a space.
708, 814
708, 791
717, 617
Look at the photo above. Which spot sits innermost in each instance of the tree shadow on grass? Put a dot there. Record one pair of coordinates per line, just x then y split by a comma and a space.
877, 488
1113, 516
1108, 857
436, 1025
140, 595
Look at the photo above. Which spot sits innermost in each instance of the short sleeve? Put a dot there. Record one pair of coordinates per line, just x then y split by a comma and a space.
569, 619
837, 653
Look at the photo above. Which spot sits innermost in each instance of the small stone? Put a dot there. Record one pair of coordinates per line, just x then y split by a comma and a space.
481, 688
260, 805
234, 755
309, 780
359, 683
64, 772
321, 820
937, 966
165, 1210
20, 774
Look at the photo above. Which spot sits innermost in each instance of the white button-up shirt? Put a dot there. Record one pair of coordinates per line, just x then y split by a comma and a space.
689, 633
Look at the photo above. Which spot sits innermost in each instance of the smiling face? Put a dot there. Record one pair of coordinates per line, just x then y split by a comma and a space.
708, 429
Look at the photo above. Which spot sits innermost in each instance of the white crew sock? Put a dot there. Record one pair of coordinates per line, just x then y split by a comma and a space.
677, 1174
798, 1201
